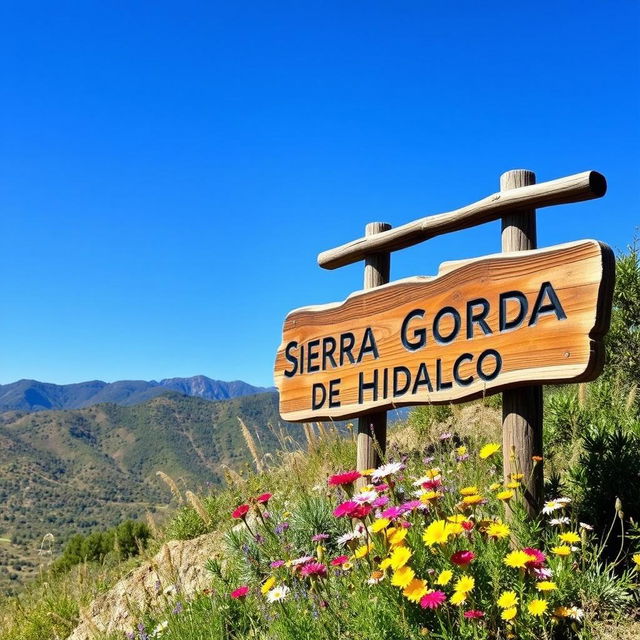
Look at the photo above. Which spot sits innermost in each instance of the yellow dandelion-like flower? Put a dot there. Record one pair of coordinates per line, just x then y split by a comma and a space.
495, 486
396, 537
489, 450
465, 584
507, 600
444, 577
561, 550
569, 537
562, 612
546, 585
509, 614
461, 450
636, 559
385, 564
458, 597
430, 496
268, 585
474, 499
433, 473
513, 484
517, 559
498, 530
379, 524
362, 551
468, 491
537, 607
415, 590
457, 518
436, 533
517, 476
400, 557
505, 495
402, 577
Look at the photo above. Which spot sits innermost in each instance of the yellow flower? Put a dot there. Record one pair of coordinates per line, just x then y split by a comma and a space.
429, 496
396, 536
268, 585
512, 485
569, 537
415, 590
505, 495
457, 518
489, 450
537, 607
636, 559
517, 476
546, 585
465, 584
402, 577
517, 559
444, 577
468, 491
367, 472
458, 597
495, 486
461, 450
380, 524
509, 614
400, 557
562, 612
507, 600
362, 551
385, 564
433, 473
498, 530
474, 499
436, 533
561, 550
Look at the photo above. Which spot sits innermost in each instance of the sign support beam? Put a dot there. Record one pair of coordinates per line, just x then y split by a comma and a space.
372, 428
522, 408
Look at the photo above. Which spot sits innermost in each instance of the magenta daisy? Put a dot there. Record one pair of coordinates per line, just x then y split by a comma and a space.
463, 558
339, 561
314, 569
474, 613
432, 600
339, 479
345, 509
240, 592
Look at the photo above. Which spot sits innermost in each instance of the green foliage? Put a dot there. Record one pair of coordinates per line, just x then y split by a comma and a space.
425, 418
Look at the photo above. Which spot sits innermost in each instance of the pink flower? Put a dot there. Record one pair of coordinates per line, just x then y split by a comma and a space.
276, 564
432, 600
240, 592
380, 501
314, 569
463, 558
392, 512
264, 498
539, 560
405, 525
361, 511
339, 561
543, 573
348, 477
381, 487
411, 505
345, 509
319, 537
241, 511
474, 613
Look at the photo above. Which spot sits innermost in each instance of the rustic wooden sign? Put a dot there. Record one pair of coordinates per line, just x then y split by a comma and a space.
479, 326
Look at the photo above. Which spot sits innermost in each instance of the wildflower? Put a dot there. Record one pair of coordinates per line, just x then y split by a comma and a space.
556, 522
365, 496
381, 487
361, 511
411, 505
467, 525
546, 585
268, 585
636, 559
319, 537
348, 537
345, 509
465, 584
561, 550
380, 524
437, 532
457, 518
463, 558
380, 501
158, 631
376, 577
468, 491
576, 613
585, 526
517, 559
514, 484
507, 600
550, 506
396, 536
277, 594
516, 476
314, 569
387, 470
458, 597
505, 495
241, 511
340, 560
472, 500
347, 566
474, 613
346, 478
561, 612
400, 557
430, 496
495, 486
537, 558
299, 561
461, 450
542, 573
489, 450
240, 592
276, 564
432, 599
362, 551
569, 537
415, 590
391, 513
402, 577
447, 435
509, 614
281, 528
444, 577
537, 607
264, 498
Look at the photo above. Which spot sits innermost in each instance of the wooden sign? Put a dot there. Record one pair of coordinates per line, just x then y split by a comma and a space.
479, 326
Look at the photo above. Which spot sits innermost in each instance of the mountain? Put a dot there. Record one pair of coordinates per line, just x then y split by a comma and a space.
64, 472
31, 395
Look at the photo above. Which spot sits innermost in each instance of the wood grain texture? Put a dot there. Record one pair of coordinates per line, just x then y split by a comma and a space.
372, 428
522, 409
575, 188
552, 350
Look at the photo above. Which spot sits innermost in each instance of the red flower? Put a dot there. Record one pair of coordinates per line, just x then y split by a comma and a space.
314, 569
432, 600
264, 498
467, 525
463, 558
539, 560
339, 561
240, 592
241, 511
361, 511
345, 509
474, 613
348, 477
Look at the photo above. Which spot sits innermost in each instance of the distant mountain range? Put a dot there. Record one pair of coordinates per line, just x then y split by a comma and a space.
31, 395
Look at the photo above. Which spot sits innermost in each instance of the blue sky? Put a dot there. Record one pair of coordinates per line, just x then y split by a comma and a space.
170, 171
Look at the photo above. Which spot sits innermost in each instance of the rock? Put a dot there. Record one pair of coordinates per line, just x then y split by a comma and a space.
178, 569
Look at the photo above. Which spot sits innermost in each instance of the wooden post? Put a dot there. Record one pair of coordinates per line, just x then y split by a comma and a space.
372, 428
522, 408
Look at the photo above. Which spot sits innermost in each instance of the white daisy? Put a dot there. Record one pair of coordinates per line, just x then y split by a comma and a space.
551, 506
576, 613
585, 526
387, 470
365, 496
277, 593
559, 521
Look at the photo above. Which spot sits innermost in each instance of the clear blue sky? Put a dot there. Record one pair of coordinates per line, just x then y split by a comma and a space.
169, 171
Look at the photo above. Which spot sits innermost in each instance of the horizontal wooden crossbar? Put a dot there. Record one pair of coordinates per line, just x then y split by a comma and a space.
576, 188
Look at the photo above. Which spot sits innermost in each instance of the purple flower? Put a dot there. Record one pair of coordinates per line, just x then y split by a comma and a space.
281, 528
380, 501
392, 512
462, 458
276, 564
411, 505
319, 537
178, 608
447, 435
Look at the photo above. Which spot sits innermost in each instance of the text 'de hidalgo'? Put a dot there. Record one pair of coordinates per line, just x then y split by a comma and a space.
479, 326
